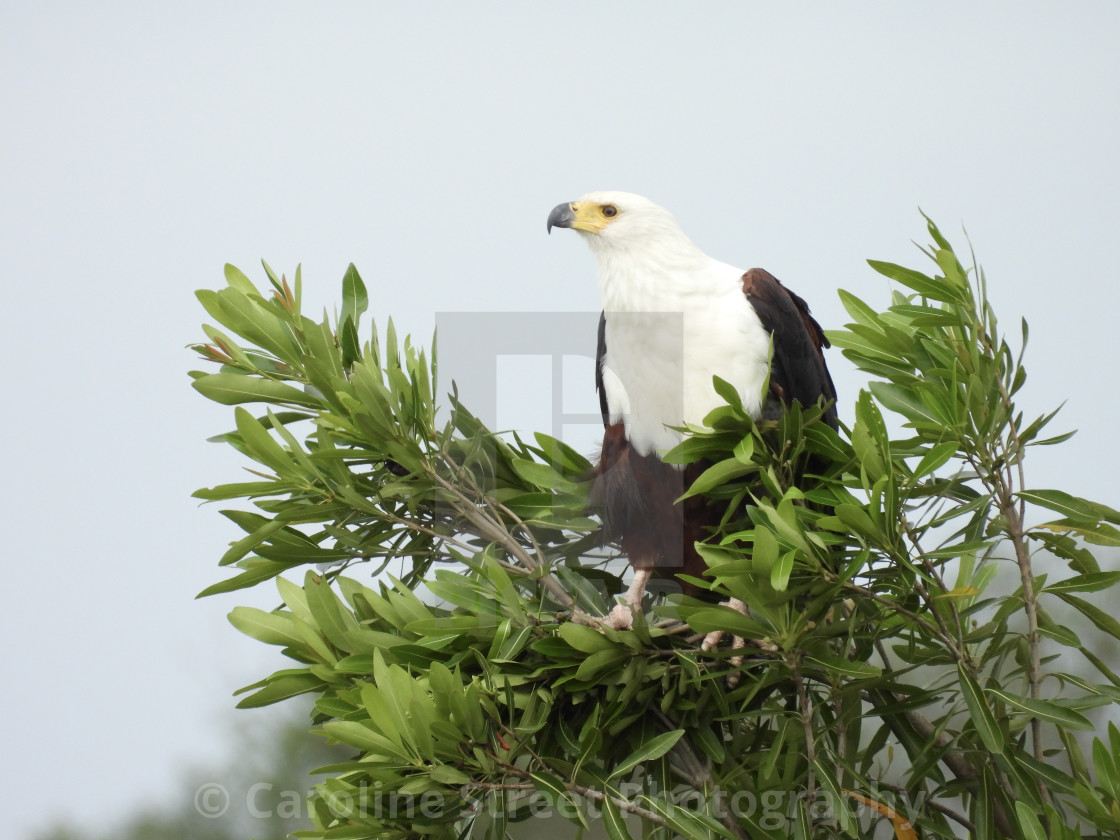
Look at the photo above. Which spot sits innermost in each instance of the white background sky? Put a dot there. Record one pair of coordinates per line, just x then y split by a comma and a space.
143, 145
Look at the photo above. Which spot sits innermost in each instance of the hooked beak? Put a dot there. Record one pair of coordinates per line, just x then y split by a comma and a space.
562, 216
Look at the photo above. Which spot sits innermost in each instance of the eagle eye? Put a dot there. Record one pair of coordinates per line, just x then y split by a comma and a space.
610, 210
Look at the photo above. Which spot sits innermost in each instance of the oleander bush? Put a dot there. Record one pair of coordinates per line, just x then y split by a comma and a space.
913, 666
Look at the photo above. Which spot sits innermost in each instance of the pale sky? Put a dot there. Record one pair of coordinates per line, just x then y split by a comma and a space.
143, 145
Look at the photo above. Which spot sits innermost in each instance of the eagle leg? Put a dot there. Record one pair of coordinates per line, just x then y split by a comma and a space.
622, 616
713, 639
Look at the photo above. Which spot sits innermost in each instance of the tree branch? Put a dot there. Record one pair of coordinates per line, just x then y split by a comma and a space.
590, 793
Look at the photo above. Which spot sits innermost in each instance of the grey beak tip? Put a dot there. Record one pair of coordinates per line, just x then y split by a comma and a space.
561, 216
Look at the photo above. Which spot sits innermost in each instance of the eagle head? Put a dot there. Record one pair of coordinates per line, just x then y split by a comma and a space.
610, 220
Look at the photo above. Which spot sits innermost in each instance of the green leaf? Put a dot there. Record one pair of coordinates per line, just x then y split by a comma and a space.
729, 393
709, 619
261, 445
244, 489
927, 287
260, 529
331, 618
861, 349
1058, 780
979, 711
236, 279
764, 555
257, 572
602, 661
1029, 825
780, 571
838, 665
1093, 582
360, 735
1099, 617
236, 388
860, 311
869, 437
925, 316
270, 628
1045, 711
445, 774
584, 638
1105, 765
1071, 507
719, 474
904, 401
1060, 634
936, 456
653, 748
348, 342
684, 821
1098, 533
540, 475
1093, 804
558, 797
354, 297
282, 686
558, 452
613, 821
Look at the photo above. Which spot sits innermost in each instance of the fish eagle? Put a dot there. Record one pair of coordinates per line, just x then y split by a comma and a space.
672, 319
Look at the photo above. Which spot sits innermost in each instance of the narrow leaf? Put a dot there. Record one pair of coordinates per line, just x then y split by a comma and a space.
1071, 507
653, 748
613, 820
980, 712
270, 628
1045, 711
1029, 825
1093, 582
235, 388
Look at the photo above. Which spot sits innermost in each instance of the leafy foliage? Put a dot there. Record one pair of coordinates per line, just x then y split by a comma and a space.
902, 664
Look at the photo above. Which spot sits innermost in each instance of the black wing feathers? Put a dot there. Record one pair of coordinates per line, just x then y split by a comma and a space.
798, 371
600, 354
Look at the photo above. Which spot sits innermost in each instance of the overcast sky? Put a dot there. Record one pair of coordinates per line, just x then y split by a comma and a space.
143, 145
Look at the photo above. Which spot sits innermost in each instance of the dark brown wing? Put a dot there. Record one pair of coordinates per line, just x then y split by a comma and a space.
797, 371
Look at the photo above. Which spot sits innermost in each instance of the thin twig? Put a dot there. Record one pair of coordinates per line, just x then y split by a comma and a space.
895, 606
935, 575
590, 793
807, 724
1023, 558
496, 531
1002, 484
1030, 602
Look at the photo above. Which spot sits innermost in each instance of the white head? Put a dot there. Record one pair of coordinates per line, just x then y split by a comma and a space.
623, 224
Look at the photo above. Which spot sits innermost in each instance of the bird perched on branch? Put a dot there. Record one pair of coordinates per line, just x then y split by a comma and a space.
673, 318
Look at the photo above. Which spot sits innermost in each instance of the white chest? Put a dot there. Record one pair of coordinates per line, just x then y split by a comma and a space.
666, 338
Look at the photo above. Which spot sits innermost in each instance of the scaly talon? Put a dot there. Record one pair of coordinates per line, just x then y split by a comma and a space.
622, 616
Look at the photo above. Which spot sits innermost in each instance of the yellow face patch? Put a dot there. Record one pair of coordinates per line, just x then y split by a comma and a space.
592, 217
